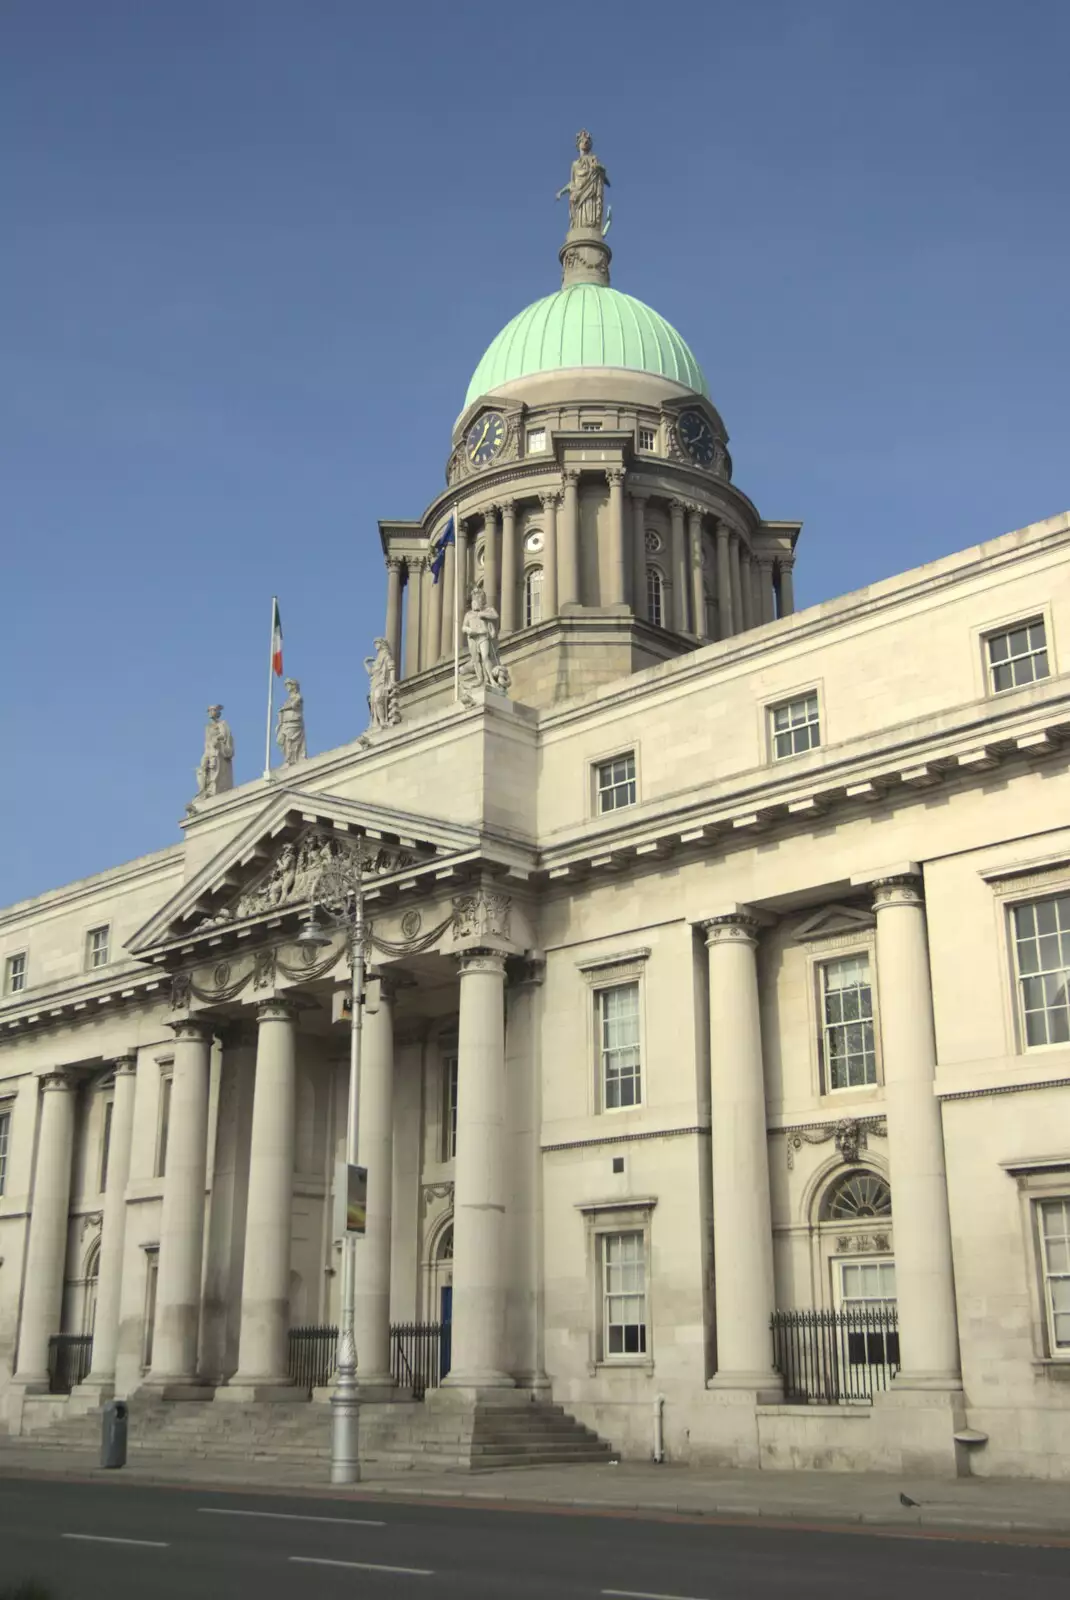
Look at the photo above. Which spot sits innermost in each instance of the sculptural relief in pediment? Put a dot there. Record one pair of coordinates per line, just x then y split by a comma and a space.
317, 864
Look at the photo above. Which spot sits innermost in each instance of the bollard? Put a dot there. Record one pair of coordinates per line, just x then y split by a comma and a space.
113, 1434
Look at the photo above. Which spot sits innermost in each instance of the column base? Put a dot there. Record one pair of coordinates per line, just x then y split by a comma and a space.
754, 1388
94, 1389
243, 1391
470, 1388
176, 1389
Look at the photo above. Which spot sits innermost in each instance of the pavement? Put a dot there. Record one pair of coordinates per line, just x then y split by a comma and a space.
123, 1539
1006, 1505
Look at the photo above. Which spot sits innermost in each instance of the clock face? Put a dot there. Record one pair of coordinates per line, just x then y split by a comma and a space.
485, 438
696, 436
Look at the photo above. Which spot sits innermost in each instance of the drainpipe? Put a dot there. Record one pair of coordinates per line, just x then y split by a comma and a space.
659, 1438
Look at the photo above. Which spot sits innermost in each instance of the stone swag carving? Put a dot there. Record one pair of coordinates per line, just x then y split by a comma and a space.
290, 728
383, 695
484, 668
483, 914
851, 1135
215, 774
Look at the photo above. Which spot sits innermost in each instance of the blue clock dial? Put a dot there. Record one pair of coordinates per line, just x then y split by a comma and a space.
485, 438
696, 437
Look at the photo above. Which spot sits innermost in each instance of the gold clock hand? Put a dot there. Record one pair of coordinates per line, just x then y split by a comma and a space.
479, 441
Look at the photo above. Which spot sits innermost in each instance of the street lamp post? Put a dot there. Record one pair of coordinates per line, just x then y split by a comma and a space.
338, 893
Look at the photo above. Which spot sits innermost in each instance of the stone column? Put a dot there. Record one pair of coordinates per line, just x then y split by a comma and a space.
412, 617
461, 586
724, 581
46, 1245
924, 1278
178, 1282
265, 1302
568, 550
113, 1230
746, 587
490, 556
742, 1214
787, 587
764, 565
479, 1198
509, 568
376, 1152
639, 601
679, 567
698, 588
736, 565
615, 591
393, 605
445, 637
549, 562
434, 624
757, 608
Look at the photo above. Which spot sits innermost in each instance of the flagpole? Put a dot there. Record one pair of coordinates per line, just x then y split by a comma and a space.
271, 689
457, 591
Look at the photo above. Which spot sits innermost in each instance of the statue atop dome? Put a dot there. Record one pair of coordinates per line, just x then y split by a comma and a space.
586, 187
585, 256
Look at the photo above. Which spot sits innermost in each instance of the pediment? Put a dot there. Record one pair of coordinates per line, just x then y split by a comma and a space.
297, 846
832, 922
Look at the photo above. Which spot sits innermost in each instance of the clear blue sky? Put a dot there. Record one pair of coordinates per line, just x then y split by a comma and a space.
253, 250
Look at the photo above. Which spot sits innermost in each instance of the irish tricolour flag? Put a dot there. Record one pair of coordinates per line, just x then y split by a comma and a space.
276, 640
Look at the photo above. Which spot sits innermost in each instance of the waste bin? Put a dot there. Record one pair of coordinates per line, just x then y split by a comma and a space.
113, 1434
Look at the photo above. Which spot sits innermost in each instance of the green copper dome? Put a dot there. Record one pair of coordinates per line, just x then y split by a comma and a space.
586, 325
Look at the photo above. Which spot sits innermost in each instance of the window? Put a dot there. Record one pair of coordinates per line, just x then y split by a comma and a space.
5, 1137
847, 1038
655, 597
648, 439
590, 427
623, 1295
867, 1288
162, 1125
1017, 655
796, 727
449, 1120
859, 1197
618, 1046
96, 947
1042, 953
532, 596
615, 783
15, 973
536, 440
1054, 1218
868, 1283
105, 1143
152, 1263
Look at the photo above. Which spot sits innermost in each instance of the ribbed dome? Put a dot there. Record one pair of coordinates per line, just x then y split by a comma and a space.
586, 325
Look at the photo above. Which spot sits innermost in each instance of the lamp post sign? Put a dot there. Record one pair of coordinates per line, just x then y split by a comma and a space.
351, 1193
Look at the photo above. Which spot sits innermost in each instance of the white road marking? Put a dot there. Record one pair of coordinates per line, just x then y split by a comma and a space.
288, 1516
363, 1566
105, 1538
643, 1594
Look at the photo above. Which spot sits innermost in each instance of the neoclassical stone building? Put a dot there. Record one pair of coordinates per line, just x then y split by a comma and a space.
717, 1055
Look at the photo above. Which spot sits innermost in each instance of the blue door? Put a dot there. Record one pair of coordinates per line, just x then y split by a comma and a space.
446, 1319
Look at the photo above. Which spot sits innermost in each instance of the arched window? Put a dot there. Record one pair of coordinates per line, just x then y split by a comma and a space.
532, 596
858, 1196
655, 597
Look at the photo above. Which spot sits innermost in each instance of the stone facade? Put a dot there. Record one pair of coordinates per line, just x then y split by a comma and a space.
701, 992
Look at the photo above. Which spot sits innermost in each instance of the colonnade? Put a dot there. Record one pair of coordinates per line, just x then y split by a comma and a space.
707, 559
743, 1249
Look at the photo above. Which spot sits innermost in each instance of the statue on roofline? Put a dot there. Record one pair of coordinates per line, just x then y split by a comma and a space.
586, 187
215, 773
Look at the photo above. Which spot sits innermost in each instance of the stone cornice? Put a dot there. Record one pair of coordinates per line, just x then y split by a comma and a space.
767, 802
73, 1001
804, 628
110, 881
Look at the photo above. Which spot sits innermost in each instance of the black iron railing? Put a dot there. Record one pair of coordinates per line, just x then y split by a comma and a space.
70, 1356
830, 1356
416, 1355
312, 1356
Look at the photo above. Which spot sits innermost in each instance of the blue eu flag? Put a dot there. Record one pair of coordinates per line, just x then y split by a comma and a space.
438, 549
